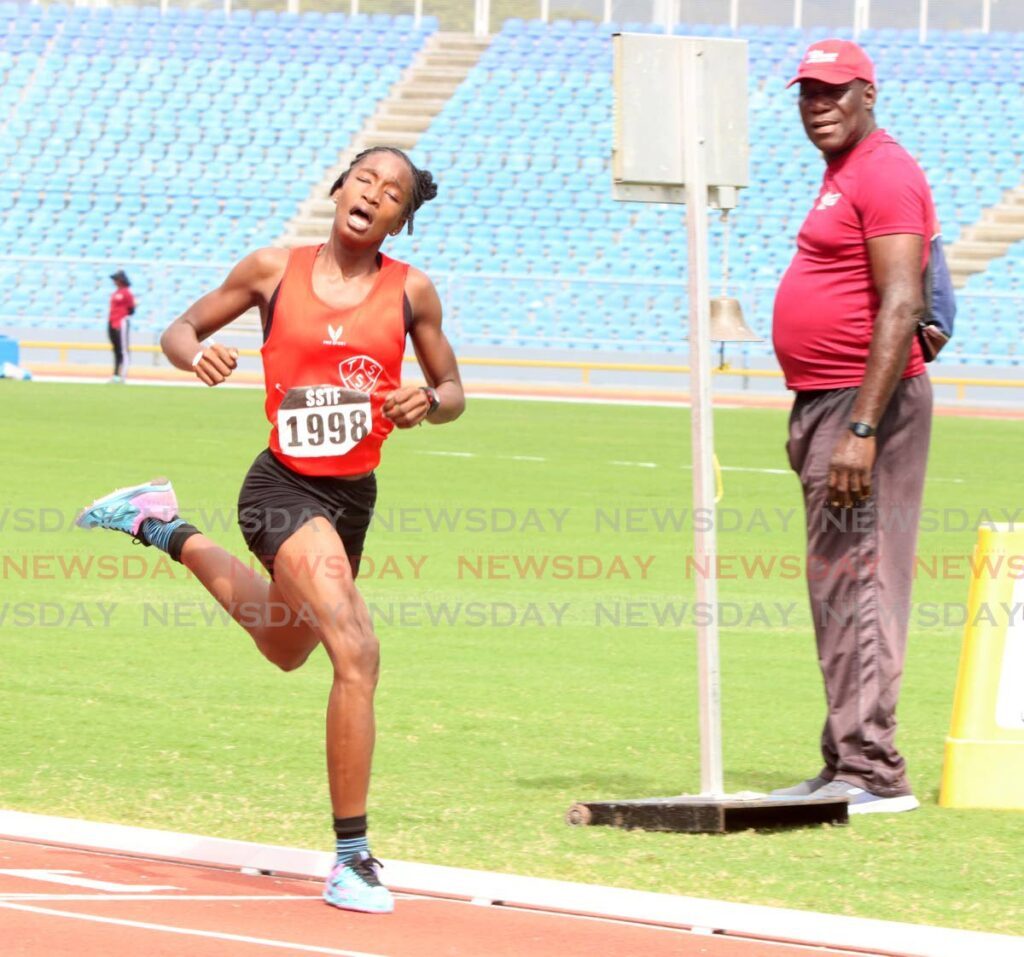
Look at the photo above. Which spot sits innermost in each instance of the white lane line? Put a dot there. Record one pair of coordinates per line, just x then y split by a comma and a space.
437, 901
75, 879
650, 465
59, 898
189, 932
740, 468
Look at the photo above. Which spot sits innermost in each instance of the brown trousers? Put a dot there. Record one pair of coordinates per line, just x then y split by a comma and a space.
860, 568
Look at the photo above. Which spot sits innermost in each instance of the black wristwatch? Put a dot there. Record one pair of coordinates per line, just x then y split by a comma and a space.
431, 394
862, 430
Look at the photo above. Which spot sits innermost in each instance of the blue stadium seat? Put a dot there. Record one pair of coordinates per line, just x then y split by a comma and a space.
195, 135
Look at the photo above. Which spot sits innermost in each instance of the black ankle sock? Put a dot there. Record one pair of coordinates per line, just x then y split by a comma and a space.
169, 537
350, 837
345, 827
178, 538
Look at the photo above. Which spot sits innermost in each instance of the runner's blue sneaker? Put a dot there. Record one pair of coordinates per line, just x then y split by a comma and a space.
125, 509
354, 885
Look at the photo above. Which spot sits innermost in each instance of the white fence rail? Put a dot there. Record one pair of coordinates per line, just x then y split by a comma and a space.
486, 16
493, 310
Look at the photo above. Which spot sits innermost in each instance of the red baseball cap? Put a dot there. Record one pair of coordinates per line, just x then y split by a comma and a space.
835, 62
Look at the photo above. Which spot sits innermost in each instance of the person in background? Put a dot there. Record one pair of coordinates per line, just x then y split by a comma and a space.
846, 313
122, 305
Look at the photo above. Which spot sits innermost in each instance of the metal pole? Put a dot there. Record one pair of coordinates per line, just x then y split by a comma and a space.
922, 29
986, 16
545, 10
701, 426
418, 13
798, 14
227, 8
734, 15
353, 8
607, 11
293, 6
667, 16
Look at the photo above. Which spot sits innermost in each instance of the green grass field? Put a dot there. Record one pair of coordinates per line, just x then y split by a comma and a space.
509, 691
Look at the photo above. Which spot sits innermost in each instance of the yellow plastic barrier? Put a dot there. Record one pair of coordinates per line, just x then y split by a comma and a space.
984, 760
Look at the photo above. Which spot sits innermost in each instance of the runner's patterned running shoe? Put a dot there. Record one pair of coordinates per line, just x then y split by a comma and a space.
125, 509
354, 885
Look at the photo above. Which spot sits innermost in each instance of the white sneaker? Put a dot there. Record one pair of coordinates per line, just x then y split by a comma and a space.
865, 802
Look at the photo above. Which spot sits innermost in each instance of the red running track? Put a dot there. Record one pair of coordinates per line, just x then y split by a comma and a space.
163, 909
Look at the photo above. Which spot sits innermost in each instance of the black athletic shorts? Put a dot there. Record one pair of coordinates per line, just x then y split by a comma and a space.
275, 502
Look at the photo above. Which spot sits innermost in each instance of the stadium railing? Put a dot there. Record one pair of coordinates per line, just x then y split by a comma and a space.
585, 367
484, 311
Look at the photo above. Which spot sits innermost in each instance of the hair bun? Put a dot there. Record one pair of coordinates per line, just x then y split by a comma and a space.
427, 186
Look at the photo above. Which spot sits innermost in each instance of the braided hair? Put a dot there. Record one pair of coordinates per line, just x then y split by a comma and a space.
423, 186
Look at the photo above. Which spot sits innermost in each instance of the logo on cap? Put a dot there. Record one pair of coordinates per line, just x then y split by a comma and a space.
835, 62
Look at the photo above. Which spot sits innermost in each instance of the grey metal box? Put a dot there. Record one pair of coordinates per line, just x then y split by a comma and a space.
651, 97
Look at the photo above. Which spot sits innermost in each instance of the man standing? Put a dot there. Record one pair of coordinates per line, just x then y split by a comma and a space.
122, 305
844, 333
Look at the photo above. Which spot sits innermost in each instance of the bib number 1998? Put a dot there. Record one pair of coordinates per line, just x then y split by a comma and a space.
318, 421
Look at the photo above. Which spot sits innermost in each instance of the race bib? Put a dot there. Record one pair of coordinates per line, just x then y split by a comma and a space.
320, 420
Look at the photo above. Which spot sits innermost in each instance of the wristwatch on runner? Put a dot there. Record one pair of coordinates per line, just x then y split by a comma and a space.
862, 430
431, 394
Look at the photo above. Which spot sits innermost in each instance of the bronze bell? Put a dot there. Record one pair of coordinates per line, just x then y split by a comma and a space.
727, 323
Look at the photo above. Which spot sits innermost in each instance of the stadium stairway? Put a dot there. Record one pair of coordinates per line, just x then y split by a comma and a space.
426, 86
999, 227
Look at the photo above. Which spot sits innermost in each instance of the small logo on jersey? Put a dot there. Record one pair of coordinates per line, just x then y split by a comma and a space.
828, 200
335, 335
360, 373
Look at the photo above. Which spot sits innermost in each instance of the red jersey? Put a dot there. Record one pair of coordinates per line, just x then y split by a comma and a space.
328, 370
826, 304
122, 305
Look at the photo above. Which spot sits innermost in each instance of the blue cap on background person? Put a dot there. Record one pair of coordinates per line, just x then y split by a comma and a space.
835, 62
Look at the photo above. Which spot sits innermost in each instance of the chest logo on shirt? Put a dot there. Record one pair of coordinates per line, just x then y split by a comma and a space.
360, 373
335, 336
828, 200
